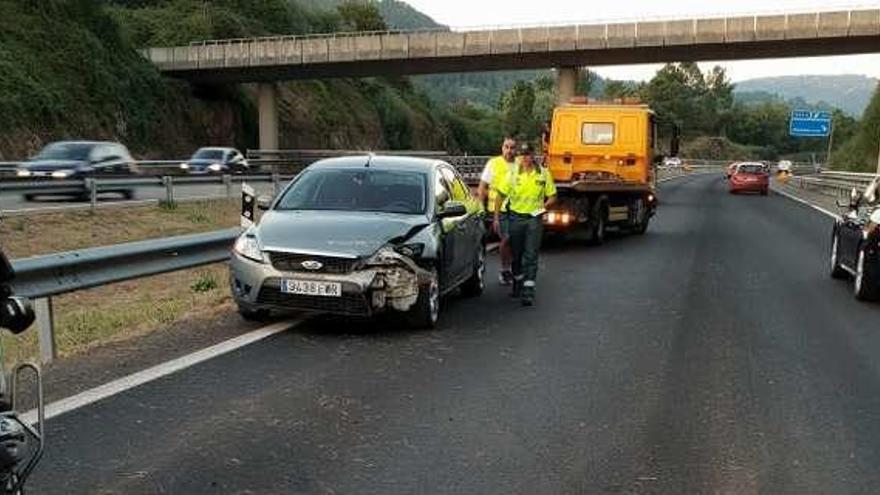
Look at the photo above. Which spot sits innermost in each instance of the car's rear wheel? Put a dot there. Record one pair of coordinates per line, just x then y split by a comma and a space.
426, 311
29, 197
475, 285
866, 287
763, 192
837, 271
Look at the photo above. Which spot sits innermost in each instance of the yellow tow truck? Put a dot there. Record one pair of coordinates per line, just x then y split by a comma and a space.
601, 155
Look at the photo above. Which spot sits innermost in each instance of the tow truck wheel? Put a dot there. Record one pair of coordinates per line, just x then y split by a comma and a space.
598, 237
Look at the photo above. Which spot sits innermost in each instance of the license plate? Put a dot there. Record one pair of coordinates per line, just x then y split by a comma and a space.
311, 288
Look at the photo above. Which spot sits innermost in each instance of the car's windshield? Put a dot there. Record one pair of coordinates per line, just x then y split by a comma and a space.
392, 191
206, 154
751, 169
65, 151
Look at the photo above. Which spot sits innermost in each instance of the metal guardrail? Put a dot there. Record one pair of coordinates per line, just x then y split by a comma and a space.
42, 277
832, 183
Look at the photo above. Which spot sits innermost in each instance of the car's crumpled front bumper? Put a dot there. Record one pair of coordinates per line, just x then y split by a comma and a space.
389, 281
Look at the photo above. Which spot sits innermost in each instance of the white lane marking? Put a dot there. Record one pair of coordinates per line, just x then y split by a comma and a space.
690, 174
804, 202
136, 379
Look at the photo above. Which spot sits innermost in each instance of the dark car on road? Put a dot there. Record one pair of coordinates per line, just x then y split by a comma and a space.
75, 160
855, 244
360, 236
216, 161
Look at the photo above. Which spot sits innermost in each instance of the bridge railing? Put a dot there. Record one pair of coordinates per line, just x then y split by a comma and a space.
392, 45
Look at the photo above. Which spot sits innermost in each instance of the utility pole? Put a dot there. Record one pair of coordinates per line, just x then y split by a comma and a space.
878, 155
830, 141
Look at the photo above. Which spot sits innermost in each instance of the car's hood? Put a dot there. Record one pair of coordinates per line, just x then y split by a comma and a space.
342, 233
53, 164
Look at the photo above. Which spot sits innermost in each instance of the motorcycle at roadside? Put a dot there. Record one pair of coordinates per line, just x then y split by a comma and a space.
21, 444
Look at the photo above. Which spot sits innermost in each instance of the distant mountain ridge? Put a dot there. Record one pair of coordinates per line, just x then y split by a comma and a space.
850, 93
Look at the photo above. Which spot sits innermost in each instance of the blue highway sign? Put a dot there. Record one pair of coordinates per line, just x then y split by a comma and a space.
807, 123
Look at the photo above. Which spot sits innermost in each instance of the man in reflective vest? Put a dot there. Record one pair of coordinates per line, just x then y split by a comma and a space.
528, 191
498, 167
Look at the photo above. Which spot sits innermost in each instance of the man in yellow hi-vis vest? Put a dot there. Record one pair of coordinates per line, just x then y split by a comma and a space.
496, 167
528, 191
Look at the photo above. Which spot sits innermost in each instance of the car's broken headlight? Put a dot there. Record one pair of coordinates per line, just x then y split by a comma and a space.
413, 250
248, 246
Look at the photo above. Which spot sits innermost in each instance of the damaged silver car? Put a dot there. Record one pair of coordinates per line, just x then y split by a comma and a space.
360, 236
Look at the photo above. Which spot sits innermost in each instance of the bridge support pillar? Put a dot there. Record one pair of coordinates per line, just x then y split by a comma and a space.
566, 83
267, 106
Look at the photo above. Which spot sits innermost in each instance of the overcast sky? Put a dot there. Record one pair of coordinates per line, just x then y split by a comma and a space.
473, 13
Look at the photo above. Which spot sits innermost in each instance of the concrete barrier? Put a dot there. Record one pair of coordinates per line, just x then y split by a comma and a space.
535, 40
368, 47
314, 50
395, 46
341, 49
266, 53
833, 24
865, 23
562, 38
650, 33
422, 45
505, 41
679, 33
740, 29
449, 44
477, 42
184, 58
213, 55
591, 37
236, 54
291, 51
621, 35
711, 30
802, 26
770, 27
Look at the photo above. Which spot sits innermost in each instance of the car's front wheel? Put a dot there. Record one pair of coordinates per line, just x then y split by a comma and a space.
426, 311
475, 285
253, 314
866, 286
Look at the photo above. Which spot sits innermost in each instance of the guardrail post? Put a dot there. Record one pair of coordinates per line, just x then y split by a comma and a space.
227, 181
168, 182
276, 182
92, 186
46, 328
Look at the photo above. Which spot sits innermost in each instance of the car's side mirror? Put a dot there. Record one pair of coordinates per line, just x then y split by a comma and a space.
452, 209
855, 199
264, 202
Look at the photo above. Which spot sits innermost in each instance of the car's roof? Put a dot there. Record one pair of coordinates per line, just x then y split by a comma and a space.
378, 162
215, 148
89, 143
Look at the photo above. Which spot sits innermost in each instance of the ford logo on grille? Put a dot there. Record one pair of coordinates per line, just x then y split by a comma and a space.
312, 265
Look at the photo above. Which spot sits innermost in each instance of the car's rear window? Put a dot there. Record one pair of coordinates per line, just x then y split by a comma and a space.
390, 191
751, 169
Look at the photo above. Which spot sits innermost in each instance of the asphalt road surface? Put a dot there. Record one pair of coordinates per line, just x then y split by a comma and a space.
712, 355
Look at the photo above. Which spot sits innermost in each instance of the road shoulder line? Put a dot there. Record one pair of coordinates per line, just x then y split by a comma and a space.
133, 380
804, 202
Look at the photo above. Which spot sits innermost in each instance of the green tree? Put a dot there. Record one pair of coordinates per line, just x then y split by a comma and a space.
860, 152
518, 110
361, 16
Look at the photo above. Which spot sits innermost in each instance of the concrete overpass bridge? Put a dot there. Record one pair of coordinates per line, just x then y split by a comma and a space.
266, 60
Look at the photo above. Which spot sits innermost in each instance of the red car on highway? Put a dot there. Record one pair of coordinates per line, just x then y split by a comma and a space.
750, 177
